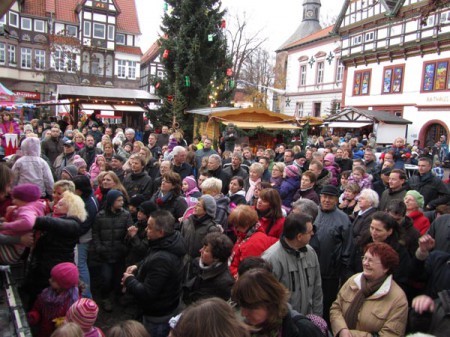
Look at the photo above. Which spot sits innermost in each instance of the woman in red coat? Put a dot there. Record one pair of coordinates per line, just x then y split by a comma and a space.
251, 239
414, 201
270, 213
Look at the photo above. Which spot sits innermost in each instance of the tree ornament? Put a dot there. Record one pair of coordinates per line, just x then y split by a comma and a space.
223, 23
229, 72
187, 81
170, 98
210, 37
231, 84
166, 53
157, 85
166, 6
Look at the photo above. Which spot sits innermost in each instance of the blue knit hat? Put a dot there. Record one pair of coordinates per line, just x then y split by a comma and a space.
111, 197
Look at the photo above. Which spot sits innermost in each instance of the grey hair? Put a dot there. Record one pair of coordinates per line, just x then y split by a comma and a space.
372, 196
217, 158
238, 156
130, 130
177, 150
212, 184
305, 206
164, 221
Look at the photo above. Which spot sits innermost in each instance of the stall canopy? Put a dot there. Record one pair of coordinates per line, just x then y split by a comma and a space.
386, 125
6, 96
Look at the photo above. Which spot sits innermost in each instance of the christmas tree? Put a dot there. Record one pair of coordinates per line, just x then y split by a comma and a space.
194, 53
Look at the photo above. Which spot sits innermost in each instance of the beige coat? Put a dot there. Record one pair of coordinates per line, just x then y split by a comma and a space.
385, 312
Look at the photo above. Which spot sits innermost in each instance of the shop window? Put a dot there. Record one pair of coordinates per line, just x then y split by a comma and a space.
435, 76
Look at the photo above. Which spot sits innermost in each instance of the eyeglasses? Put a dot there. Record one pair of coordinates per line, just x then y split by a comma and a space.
369, 260
166, 181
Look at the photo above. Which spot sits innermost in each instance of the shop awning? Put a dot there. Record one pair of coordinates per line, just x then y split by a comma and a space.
347, 125
129, 108
269, 126
83, 92
96, 107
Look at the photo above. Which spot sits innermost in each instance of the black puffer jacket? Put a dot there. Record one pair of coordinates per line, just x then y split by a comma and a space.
434, 191
108, 235
56, 244
139, 183
157, 285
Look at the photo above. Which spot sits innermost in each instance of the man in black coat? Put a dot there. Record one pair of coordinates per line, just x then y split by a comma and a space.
156, 282
89, 151
215, 168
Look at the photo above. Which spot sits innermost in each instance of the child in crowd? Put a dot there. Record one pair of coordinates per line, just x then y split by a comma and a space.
135, 201
190, 190
360, 177
53, 302
98, 166
84, 313
20, 219
330, 165
81, 165
438, 170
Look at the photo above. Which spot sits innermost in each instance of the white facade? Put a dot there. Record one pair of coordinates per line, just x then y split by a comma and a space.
313, 80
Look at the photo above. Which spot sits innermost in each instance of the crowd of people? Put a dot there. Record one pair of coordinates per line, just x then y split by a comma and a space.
192, 240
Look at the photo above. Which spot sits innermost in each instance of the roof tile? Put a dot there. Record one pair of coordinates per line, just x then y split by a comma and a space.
151, 52
129, 50
320, 34
36, 7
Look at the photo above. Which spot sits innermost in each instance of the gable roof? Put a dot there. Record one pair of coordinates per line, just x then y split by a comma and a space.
65, 10
129, 50
151, 53
321, 34
354, 115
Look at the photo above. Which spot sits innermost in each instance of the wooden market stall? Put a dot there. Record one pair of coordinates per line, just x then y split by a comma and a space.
255, 121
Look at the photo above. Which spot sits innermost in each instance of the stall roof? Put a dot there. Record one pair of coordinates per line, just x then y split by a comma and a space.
354, 115
72, 91
269, 126
209, 111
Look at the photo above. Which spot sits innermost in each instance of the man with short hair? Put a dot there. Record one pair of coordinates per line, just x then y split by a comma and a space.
153, 146
370, 162
117, 162
156, 283
288, 157
236, 168
265, 162
215, 168
65, 158
333, 245
95, 132
323, 176
179, 164
89, 151
164, 167
206, 151
434, 191
163, 137
53, 146
279, 150
397, 188
296, 266
300, 161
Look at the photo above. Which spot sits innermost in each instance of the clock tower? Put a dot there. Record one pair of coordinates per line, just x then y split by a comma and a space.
311, 10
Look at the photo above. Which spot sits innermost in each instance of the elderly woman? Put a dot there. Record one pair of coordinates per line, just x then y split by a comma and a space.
256, 172
57, 240
371, 303
263, 303
277, 174
211, 276
270, 213
367, 205
213, 187
414, 202
251, 239
169, 197
384, 228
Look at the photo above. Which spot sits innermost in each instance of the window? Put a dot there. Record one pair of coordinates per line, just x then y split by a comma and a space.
14, 19
39, 59
339, 71
435, 76
361, 83
58, 58
445, 17
72, 63
430, 21
3, 20
120, 39
393, 79
39, 26
111, 32
132, 69
12, 55
369, 36
87, 28
2, 53
121, 68
99, 31
320, 68
302, 79
356, 40
299, 110
71, 30
25, 58
26, 23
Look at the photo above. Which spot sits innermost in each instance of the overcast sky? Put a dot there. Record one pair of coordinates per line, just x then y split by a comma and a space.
277, 20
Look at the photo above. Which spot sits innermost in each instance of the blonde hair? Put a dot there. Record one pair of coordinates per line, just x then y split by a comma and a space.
75, 205
66, 185
68, 329
212, 185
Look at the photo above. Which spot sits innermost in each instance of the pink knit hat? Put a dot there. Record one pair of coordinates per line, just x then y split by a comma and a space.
329, 157
26, 192
65, 274
190, 180
79, 162
84, 313
291, 171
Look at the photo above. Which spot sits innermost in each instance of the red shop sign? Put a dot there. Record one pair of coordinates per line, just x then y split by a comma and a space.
36, 96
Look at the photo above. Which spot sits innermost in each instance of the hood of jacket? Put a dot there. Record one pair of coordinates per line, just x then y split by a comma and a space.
173, 243
31, 147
